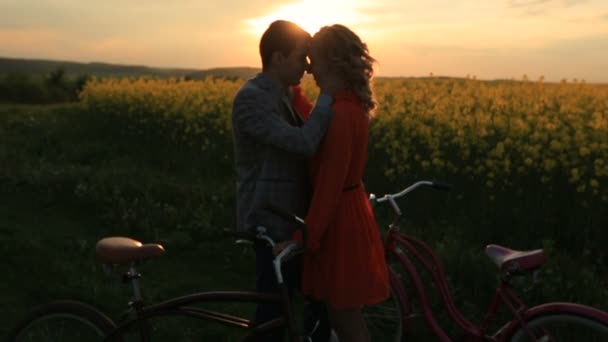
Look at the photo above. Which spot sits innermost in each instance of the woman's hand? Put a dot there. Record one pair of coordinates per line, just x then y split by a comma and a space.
279, 247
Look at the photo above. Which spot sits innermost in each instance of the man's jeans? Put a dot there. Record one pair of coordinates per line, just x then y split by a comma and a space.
315, 314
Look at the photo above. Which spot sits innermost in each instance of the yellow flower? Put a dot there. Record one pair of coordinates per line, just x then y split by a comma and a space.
549, 164
555, 145
594, 183
500, 149
574, 172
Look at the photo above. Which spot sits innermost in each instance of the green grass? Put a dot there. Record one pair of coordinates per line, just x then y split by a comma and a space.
48, 231
69, 178
48, 252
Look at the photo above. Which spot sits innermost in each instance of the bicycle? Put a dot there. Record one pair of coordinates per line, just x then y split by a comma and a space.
83, 322
546, 322
557, 321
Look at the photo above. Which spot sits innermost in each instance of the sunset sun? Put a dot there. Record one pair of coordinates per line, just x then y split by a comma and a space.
311, 15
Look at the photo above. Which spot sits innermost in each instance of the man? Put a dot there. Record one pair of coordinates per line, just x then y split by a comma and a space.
272, 144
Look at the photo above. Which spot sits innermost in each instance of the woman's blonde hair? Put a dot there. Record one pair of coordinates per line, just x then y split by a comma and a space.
349, 57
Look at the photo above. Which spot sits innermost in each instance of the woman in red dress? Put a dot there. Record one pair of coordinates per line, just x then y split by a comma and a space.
344, 264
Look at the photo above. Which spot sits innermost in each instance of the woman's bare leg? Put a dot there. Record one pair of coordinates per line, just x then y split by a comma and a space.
349, 325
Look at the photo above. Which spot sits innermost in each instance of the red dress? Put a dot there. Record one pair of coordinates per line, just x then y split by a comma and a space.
344, 263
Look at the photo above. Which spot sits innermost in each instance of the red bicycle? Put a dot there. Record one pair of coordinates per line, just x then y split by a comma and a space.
558, 321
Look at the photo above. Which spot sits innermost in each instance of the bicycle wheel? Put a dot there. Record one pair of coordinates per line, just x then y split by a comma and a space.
385, 320
64, 321
559, 327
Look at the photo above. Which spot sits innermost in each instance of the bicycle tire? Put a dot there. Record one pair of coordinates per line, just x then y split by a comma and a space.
562, 325
385, 319
64, 321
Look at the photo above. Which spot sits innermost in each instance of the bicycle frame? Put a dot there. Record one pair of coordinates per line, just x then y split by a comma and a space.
394, 245
183, 306
138, 315
400, 247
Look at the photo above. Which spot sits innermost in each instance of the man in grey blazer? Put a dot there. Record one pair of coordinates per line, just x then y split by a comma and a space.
272, 143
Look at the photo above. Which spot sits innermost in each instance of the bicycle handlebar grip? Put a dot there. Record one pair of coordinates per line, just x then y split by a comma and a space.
283, 213
373, 200
442, 186
290, 217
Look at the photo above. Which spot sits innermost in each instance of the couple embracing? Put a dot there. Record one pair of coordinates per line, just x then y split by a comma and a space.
310, 160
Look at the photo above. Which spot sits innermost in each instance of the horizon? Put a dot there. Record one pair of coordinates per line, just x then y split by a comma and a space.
259, 68
507, 39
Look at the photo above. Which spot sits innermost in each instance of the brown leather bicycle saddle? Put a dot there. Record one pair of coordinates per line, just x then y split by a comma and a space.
122, 250
514, 261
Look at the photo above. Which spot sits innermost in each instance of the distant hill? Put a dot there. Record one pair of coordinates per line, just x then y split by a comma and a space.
231, 73
41, 67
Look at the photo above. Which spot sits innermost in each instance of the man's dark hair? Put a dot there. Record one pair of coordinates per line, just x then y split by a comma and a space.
280, 36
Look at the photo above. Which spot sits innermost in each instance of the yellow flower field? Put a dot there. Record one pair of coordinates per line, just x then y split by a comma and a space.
490, 130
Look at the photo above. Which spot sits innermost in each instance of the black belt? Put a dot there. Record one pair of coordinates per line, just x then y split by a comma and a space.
352, 187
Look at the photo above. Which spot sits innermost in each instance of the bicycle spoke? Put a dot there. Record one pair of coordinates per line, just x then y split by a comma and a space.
62, 321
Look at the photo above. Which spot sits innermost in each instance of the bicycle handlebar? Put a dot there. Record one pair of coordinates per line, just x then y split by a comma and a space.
260, 231
391, 197
261, 235
286, 254
289, 217
442, 186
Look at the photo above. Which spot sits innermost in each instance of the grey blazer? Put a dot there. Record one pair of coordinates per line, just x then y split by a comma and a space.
271, 145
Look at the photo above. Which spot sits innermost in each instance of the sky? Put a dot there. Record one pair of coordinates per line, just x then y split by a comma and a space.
488, 39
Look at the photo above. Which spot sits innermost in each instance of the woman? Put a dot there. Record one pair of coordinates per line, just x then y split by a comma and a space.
344, 263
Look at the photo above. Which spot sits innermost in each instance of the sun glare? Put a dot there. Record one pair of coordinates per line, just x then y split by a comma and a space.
311, 15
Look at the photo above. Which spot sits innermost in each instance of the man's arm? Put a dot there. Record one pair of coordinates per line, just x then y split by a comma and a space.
255, 118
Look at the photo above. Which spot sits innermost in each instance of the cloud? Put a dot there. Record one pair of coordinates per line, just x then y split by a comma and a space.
526, 3
541, 7
535, 3
570, 3
114, 18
